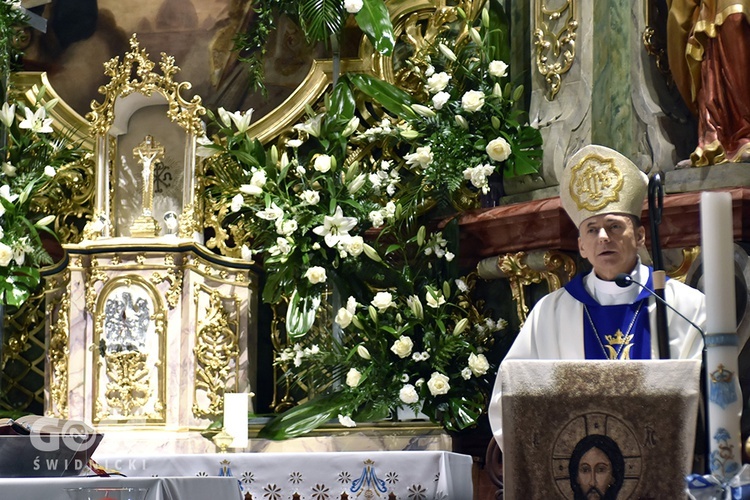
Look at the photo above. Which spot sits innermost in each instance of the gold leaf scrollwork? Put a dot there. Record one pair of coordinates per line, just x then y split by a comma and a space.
188, 223
522, 270
58, 359
128, 386
185, 113
555, 36
174, 276
216, 349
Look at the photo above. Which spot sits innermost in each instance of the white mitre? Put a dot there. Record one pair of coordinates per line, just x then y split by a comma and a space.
598, 180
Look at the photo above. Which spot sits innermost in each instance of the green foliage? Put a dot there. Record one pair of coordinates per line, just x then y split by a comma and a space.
30, 160
320, 21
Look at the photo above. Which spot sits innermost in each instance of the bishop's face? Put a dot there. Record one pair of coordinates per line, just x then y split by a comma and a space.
610, 243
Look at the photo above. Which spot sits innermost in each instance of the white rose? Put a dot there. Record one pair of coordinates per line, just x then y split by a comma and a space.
353, 6
402, 347
498, 69
9, 169
347, 421
382, 301
6, 254
466, 373
344, 317
353, 376
438, 384
498, 149
472, 101
354, 245
286, 227
258, 178
422, 157
316, 274
439, 99
49, 171
376, 217
310, 197
282, 247
478, 364
322, 163
438, 82
408, 394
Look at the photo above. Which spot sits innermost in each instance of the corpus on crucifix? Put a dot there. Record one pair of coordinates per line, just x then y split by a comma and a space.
148, 152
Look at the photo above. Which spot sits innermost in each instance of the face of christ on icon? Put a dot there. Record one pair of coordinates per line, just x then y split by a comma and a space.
596, 468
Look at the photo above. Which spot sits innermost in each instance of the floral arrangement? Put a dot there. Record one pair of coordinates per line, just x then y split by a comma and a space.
421, 344
303, 212
462, 124
31, 158
337, 213
31, 152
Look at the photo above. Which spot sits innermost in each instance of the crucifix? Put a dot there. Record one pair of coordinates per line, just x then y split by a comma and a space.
148, 152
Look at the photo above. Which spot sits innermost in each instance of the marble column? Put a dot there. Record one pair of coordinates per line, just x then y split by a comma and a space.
611, 93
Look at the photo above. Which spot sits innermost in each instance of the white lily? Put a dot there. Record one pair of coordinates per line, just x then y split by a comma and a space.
7, 114
311, 126
202, 148
271, 213
5, 193
335, 226
242, 120
225, 117
36, 121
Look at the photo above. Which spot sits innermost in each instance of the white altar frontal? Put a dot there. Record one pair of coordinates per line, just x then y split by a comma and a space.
426, 475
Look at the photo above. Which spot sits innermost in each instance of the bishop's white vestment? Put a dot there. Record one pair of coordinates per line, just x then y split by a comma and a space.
554, 328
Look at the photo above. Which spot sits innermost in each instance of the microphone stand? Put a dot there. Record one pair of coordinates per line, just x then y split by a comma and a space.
655, 204
624, 280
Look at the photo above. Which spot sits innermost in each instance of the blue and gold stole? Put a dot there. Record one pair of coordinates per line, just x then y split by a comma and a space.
614, 332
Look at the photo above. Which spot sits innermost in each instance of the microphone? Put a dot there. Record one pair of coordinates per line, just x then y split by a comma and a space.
624, 280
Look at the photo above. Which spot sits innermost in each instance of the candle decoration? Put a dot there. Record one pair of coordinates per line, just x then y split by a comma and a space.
721, 368
236, 407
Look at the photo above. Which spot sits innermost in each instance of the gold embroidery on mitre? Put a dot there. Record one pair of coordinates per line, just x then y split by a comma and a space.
595, 182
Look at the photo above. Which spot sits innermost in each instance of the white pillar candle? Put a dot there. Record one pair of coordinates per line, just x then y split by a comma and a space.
236, 407
723, 390
717, 248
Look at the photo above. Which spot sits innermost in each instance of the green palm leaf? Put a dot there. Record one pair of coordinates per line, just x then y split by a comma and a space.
320, 19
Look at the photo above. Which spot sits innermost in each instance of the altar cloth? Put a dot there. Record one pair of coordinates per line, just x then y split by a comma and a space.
427, 475
159, 488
